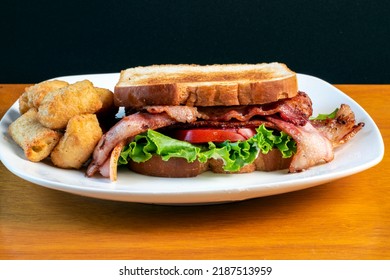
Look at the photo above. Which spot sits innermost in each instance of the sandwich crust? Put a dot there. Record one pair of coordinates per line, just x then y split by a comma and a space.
205, 85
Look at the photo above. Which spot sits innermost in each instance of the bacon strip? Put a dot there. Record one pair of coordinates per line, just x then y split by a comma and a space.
312, 147
296, 110
183, 114
126, 128
340, 129
315, 139
133, 125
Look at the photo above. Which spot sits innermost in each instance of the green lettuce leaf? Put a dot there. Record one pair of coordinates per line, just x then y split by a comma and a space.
152, 142
235, 155
322, 117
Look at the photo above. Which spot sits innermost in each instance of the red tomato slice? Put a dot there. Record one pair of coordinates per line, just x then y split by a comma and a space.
204, 135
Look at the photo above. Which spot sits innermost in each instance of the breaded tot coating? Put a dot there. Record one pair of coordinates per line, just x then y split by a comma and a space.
58, 106
76, 146
107, 98
36, 140
23, 103
33, 95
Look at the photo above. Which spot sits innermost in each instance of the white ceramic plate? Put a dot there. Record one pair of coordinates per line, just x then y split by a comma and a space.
362, 152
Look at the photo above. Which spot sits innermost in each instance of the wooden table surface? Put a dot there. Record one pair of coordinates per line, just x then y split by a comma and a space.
346, 219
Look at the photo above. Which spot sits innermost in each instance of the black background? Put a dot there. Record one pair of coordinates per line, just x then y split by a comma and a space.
338, 41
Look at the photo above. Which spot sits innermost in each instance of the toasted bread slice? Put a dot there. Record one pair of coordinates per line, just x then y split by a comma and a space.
205, 85
180, 168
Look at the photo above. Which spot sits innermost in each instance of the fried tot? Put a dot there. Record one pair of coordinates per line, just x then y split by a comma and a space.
106, 115
33, 95
107, 98
36, 140
58, 106
76, 146
23, 103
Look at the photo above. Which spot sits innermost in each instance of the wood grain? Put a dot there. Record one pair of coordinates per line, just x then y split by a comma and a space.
346, 219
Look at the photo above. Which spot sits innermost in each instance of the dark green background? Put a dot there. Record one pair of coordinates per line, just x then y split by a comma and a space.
338, 41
